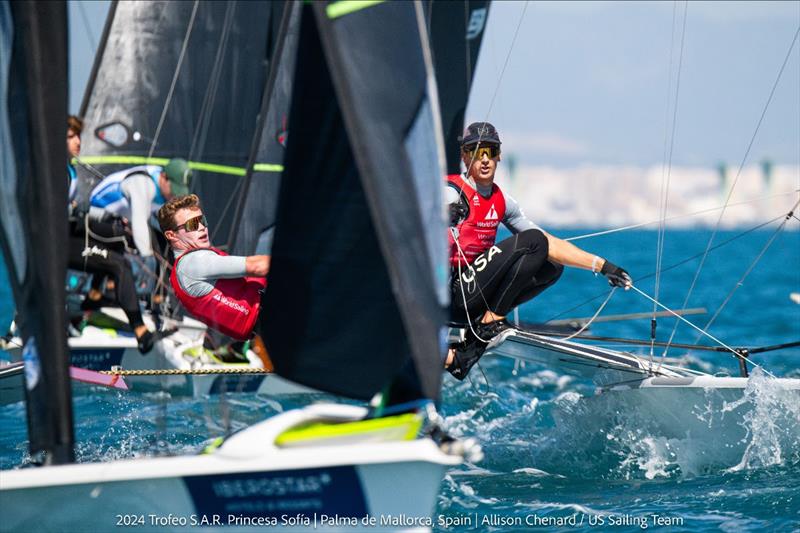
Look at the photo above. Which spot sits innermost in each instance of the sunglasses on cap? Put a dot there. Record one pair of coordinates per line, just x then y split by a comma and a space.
193, 224
477, 151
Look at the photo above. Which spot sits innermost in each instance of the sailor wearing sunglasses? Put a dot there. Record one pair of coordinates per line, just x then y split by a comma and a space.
491, 278
221, 290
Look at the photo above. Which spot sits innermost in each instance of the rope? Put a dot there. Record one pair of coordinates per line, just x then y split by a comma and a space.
705, 333
88, 27
589, 322
736, 180
505, 64
674, 265
213, 83
184, 46
461, 285
676, 217
751, 267
665, 179
183, 372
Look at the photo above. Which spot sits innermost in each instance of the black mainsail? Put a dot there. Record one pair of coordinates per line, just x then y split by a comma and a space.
253, 226
358, 274
182, 79
456, 31
33, 181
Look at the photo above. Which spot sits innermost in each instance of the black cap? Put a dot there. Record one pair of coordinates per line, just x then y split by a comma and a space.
482, 132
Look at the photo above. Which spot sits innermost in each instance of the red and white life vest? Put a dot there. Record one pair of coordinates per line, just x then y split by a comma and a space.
478, 232
231, 307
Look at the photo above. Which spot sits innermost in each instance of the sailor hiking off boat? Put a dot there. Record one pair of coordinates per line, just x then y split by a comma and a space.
135, 193
221, 290
97, 245
489, 278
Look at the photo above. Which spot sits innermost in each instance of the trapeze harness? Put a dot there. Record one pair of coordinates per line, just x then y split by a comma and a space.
478, 232
231, 307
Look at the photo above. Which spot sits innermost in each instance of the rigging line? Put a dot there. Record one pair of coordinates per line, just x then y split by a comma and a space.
167, 102
88, 27
461, 285
673, 266
213, 83
676, 217
751, 267
665, 180
466, 43
710, 336
663, 195
276, 54
589, 322
497, 86
505, 64
736, 179
234, 194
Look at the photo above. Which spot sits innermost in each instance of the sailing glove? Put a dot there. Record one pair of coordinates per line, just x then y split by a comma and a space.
617, 277
458, 212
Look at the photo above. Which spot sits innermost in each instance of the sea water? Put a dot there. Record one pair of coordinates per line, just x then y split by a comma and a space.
556, 455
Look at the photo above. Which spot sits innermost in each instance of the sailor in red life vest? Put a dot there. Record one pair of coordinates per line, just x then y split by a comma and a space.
491, 278
221, 290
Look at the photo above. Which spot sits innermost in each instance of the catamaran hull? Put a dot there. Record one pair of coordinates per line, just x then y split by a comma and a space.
340, 485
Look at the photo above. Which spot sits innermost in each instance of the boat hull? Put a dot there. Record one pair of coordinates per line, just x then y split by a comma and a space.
102, 349
241, 485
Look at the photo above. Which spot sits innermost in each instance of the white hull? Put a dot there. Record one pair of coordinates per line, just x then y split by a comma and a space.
603, 366
726, 414
718, 409
100, 350
247, 477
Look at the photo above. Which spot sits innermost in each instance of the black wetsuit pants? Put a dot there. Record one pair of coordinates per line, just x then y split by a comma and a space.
509, 273
105, 259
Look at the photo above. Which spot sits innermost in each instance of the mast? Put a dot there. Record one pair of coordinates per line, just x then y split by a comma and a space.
33, 215
98, 58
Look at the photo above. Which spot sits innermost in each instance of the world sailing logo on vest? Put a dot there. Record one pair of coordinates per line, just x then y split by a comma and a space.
233, 305
492, 215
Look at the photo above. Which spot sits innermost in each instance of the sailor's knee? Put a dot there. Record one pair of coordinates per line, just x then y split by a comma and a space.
533, 239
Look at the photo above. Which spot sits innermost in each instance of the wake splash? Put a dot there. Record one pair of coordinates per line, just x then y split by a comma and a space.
772, 424
671, 433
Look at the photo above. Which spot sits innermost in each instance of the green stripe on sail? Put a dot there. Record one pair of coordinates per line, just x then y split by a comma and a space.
122, 160
219, 169
162, 161
267, 167
345, 7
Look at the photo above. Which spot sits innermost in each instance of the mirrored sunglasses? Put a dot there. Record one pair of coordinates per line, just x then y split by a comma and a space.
476, 151
193, 224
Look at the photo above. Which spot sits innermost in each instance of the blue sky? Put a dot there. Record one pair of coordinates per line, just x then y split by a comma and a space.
587, 82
